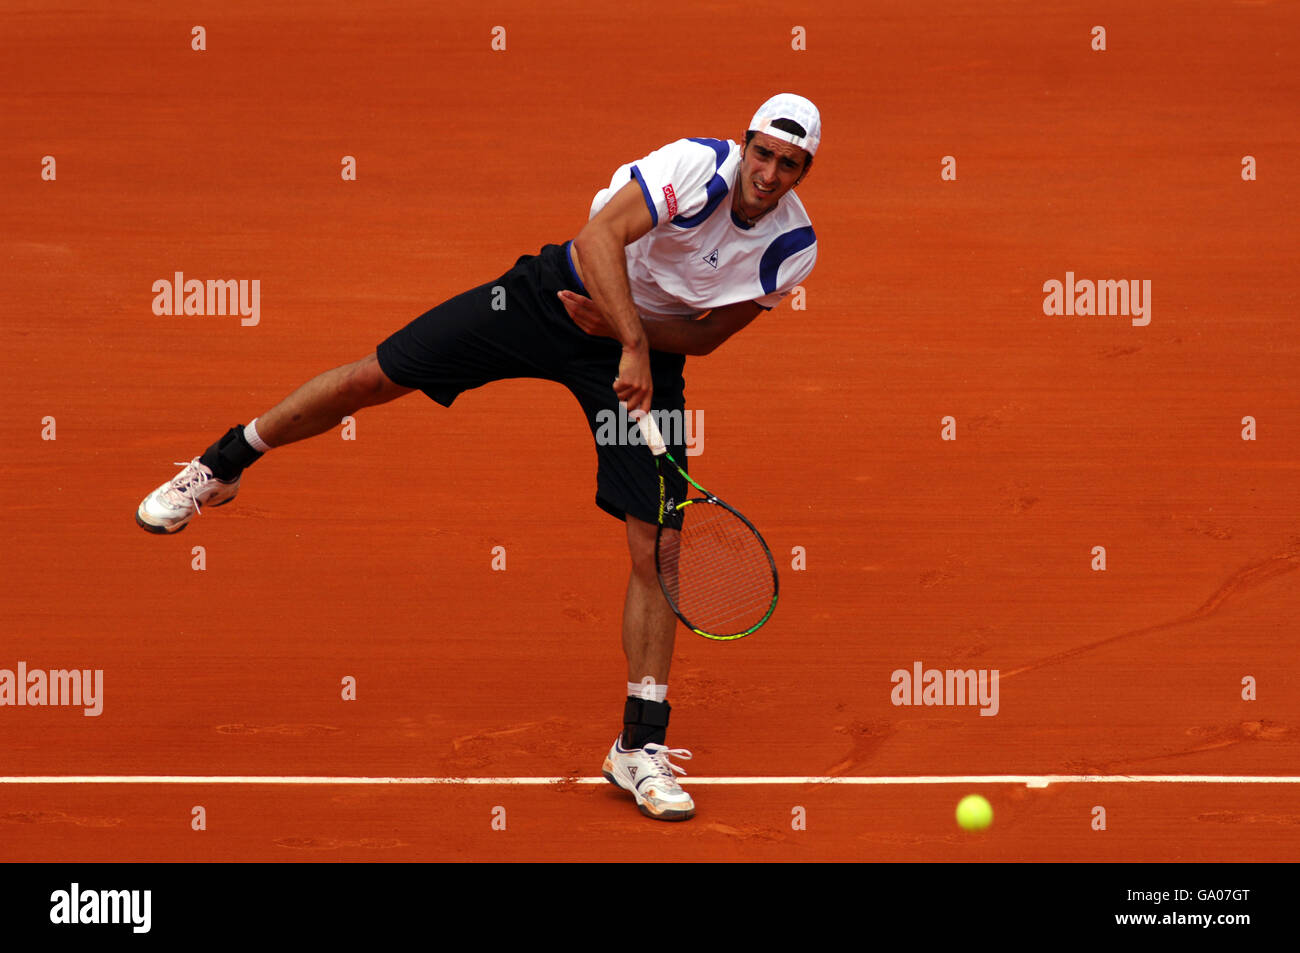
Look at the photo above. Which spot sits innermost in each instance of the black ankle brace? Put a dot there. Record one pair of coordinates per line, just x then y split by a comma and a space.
228, 457
645, 722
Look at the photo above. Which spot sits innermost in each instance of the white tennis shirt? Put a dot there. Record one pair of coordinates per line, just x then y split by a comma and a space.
699, 255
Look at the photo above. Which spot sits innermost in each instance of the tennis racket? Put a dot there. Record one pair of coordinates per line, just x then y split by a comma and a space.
716, 571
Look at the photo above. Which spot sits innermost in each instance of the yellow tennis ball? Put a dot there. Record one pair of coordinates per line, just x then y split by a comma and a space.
974, 813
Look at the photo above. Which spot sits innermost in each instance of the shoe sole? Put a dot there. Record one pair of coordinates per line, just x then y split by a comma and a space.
165, 530
665, 816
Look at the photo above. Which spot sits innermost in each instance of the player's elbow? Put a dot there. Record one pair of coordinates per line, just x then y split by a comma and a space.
596, 235
708, 343
583, 242
721, 323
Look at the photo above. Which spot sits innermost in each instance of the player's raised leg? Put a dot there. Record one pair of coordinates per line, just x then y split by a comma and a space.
212, 479
321, 403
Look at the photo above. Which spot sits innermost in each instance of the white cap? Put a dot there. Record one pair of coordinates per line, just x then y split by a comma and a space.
795, 108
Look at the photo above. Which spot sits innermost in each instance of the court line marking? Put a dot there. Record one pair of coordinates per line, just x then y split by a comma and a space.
1029, 780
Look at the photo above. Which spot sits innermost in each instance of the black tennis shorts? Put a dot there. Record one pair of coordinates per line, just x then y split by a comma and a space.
515, 326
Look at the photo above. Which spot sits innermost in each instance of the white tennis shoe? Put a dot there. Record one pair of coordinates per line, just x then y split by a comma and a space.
170, 507
650, 776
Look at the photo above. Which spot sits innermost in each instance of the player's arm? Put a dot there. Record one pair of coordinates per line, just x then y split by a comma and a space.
675, 335
602, 266
701, 335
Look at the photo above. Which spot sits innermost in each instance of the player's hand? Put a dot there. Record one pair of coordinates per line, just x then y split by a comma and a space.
634, 386
586, 315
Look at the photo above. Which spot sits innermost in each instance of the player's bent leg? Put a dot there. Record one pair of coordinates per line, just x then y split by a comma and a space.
213, 478
322, 403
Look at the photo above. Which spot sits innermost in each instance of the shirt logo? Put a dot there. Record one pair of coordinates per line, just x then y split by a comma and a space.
671, 197
712, 258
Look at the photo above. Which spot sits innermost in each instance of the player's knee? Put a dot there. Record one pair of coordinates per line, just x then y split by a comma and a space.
363, 383
641, 545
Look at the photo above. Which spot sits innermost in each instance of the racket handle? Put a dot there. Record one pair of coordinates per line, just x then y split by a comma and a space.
650, 432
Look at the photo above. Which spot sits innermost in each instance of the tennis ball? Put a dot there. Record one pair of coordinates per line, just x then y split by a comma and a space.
974, 813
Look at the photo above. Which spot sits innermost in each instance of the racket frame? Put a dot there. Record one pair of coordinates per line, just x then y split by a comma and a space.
654, 440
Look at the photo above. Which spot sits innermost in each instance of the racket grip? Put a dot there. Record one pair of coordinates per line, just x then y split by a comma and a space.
650, 432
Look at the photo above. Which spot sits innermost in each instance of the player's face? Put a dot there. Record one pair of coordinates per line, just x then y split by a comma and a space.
769, 168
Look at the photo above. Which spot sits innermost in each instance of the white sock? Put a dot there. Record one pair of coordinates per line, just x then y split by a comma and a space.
254, 441
647, 689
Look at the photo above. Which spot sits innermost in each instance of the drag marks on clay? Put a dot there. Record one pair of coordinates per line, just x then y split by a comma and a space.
1248, 578
485, 751
1213, 739
1263, 730
625, 822
1212, 530
935, 577
479, 736
43, 251
994, 421
1241, 817
426, 726
1205, 738
57, 817
1092, 767
985, 638
1243, 580
1017, 498
570, 782
865, 739
888, 838
708, 692
293, 731
952, 566
1113, 352
577, 606
746, 833
331, 843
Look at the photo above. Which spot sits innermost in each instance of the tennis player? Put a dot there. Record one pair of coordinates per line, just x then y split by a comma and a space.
684, 248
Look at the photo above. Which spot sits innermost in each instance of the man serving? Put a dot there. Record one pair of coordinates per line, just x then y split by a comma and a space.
683, 249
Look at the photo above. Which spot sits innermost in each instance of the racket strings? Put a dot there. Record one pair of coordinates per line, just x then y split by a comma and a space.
716, 571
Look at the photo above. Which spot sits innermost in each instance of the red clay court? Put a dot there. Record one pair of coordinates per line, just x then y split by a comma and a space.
372, 558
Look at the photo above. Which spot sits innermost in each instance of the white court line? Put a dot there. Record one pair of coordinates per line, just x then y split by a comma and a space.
1029, 780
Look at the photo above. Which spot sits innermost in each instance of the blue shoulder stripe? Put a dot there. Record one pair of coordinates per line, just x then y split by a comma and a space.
716, 189
717, 145
783, 247
645, 194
